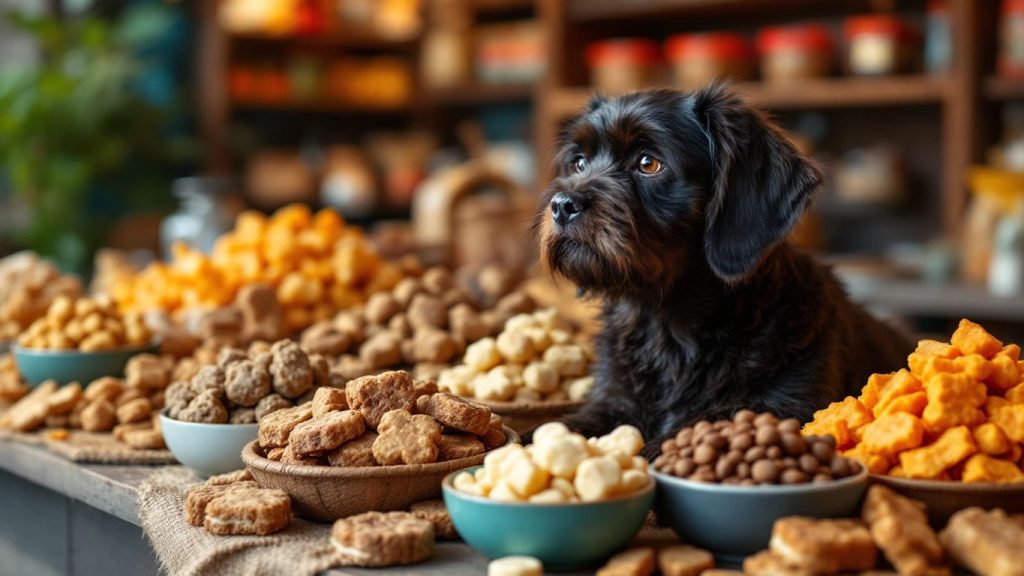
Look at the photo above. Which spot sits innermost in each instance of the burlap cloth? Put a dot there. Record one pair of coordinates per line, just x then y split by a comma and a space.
182, 549
91, 447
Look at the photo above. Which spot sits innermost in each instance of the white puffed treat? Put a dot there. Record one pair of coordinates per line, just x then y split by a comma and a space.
639, 463
457, 380
597, 477
515, 346
482, 354
515, 566
548, 496
541, 377
522, 474
622, 443
565, 487
568, 359
497, 384
560, 336
521, 322
578, 388
550, 319
467, 483
562, 454
503, 492
557, 396
549, 430
633, 480
539, 336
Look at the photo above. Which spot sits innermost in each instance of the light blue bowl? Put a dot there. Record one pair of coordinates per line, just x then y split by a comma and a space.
207, 449
38, 365
736, 521
562, 536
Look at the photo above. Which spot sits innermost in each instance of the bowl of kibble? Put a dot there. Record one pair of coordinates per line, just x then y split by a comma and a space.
721, 485
80, 340
532, 372
382, 443
568, 501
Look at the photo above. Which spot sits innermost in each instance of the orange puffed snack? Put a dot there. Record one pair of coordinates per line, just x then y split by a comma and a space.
314, 262
956, 413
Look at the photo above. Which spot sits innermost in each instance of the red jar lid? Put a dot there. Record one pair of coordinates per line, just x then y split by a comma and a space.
813, 37
709, 45
876, 24
623, 51
935, 6
1013, 6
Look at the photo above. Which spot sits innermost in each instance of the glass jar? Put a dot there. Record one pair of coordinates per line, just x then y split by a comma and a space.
697, 59
879, 45
1011, 39
621, 65
795, 52
204, 213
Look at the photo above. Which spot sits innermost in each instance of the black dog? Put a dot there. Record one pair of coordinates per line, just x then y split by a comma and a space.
673, 207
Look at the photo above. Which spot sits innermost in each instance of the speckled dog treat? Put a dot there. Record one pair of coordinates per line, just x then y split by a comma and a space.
246, 383
683, 560
823, 546
248, 511
270, 404
326, 432
229, 478
290, 369
358, 452
406, 439
454, 412
329, 400
383, 539
276, 426
374, 396
205, 407
197, 499
456, 446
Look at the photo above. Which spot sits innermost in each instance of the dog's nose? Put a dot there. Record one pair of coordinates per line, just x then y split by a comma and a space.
564, 209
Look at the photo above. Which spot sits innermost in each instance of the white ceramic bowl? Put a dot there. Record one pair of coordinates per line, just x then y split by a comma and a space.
207, 449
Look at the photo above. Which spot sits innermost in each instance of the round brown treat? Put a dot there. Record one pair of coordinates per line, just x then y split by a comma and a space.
380, 351
246, 383
754, 453
790, 462
748, 482
808, 463
743, 470
716, 441
686, 452
425, 310
669, 445
144, 439
456, 446
134, 411
383, 539
791, 425
822, 477
725, 467
373, 396
106, 388
765, 419
437, 280
269, 404
684, 436
381, 307
823, 451
684, 467
702, 427
774, 452
248, 511
744, 416
290, 370
765, 471
704, 454
741, 441
703, 475
405, 290
830, 440
794, 444
228, 356
205, 407
767, 436
793, 476
209, 378
98, 416
841, 467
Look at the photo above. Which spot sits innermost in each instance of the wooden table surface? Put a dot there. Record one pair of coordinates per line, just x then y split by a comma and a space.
113, 490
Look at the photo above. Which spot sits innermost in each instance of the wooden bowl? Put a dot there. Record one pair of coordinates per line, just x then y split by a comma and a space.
330, 492
946, 498
523, 417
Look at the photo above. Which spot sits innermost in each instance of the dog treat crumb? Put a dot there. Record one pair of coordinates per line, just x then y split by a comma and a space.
229, 478
383, 539
683, 560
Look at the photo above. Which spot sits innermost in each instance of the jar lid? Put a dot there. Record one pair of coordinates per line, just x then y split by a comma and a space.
1013, 6
623, 50
877, 24
795, 37
937, 6
709, 45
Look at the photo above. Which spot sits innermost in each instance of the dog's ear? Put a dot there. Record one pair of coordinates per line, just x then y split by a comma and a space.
760, 183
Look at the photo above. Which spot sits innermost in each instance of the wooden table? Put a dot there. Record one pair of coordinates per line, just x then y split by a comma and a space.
59, 517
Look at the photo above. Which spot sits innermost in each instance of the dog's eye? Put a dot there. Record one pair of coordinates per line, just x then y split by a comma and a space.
648, 165
578, 164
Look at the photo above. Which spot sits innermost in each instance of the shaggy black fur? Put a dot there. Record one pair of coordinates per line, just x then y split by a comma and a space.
706, 310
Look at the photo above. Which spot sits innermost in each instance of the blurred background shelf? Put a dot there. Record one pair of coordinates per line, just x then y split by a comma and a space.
341, 39
999, 88
479, 94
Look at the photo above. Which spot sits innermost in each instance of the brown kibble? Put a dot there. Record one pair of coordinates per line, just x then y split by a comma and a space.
808, 463
773, 452
684, 468
704, 454
793, 476
754, 454
789, 425
794, 444
823, 451
744, 416
765, 471
841, 467
715, 440
765, 419
741, 441
767, 436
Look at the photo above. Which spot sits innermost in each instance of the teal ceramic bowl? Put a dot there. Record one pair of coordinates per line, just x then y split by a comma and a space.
37, 366
562, 536
736, 521
207, 449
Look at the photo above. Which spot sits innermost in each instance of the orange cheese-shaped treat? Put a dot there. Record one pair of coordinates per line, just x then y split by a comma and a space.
1011, 419
901, 384
840, 420
893, 433
953, 400
951, 448
984, 468
1004, 372
911, 404
970, 338
974, 365
869, 394
991, 439
1015, 395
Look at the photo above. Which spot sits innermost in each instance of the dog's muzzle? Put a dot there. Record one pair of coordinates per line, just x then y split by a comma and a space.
565, 208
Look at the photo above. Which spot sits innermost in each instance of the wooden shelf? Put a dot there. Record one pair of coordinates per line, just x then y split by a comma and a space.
590, 10
479, 94
336, 39
321, 107
1000, 88
915, 298
492, 6
849, 92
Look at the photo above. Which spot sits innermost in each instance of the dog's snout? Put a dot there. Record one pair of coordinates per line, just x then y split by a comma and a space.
564, 208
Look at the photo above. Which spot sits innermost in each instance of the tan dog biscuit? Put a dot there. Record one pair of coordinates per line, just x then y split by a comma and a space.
383, 539
683, 560
632, 562
197, 499
275, 454
146, 371
327, 432
134, 411
435, 512
358, 452
246, 383
249, 511
276, 426
374, 396
454, 412
271, 404
129, 395
229, 478
329, 400
144, 439
424, 386
823, 546
406, 439
986, 542
206, 407
98, 416
900, 528
106, 388
290, 369
768, 563
64, 399
495, 436
456, 446
290, 456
